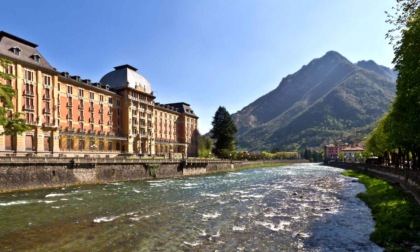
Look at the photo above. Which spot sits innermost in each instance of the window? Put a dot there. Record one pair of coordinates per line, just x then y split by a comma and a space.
29, 75
69, 143
29, 103
47, 80
30, 118
81, 92
47, 120
47, 107
70, 114
36, 57
81, 144
92, 145
101, 98
29, 145
9, 70
47, 94
15, 50
69, 89
92, 95
47, 143
110, 100
29, 89
110, 146
101, 145
70, 102
8, 142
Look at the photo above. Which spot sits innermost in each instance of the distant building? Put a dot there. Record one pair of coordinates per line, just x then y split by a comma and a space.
331, 151
350, 152
74, 116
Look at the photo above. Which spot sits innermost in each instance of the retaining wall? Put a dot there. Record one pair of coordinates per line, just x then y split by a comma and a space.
408, 179
18, 174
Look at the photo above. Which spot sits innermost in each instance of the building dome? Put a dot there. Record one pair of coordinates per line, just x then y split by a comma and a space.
126, 76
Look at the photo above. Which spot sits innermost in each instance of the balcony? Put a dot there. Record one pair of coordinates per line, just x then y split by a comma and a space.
47, 111
69, 104
29, 108
70, 129
48, 125
91, 120
28, 93
46, 97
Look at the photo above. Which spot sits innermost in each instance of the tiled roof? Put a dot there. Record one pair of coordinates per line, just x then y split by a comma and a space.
27, 50
183, 108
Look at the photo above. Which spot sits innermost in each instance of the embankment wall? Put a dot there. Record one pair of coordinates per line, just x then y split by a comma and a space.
18, 174
408, 179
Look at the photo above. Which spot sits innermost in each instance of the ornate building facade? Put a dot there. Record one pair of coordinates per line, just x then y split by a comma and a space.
72, 116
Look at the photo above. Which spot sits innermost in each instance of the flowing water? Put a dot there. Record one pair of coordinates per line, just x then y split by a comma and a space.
304, 207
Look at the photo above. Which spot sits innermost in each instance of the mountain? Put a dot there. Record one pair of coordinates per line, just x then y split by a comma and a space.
327, 99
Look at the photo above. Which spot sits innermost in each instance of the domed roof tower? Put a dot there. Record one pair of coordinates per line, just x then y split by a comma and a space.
126, 76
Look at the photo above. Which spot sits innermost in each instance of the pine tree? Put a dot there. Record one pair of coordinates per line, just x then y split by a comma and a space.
11, 121
223, 131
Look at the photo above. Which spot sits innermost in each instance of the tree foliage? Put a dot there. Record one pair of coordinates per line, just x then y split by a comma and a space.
223, 131
397, 136
205, 145
11, 121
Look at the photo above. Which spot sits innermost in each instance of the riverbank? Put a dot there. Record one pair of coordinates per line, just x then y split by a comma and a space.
23, 174
396, 213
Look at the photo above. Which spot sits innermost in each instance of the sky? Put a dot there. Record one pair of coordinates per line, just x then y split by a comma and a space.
207, 53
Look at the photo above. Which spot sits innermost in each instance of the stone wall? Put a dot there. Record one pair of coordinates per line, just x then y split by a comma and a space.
407, 178
18, 174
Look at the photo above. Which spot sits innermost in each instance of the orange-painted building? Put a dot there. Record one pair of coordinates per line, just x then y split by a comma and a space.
76, 117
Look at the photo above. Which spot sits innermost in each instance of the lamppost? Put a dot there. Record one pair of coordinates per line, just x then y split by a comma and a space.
230, 157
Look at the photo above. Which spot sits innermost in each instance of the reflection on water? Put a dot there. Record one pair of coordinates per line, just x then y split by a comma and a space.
303, 207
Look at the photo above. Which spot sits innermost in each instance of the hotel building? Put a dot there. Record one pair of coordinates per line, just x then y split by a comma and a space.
70, 116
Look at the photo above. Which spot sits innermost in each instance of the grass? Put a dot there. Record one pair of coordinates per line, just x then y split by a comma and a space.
396, 213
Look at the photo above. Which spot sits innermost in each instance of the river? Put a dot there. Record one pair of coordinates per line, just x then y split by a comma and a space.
300, 207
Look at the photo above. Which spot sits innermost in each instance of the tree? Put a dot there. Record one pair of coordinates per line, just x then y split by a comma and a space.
11, 121
205, 145
223, 131
404, 121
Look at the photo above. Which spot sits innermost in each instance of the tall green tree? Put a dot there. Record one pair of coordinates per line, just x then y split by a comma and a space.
11, 121
223, 131
404, 120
